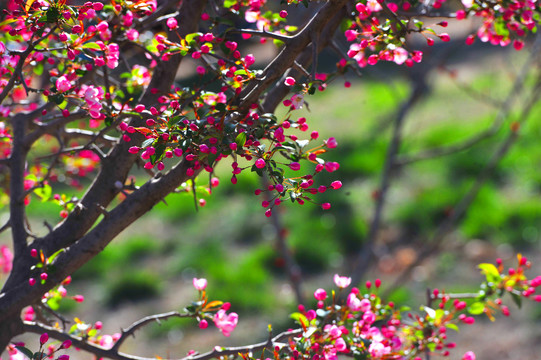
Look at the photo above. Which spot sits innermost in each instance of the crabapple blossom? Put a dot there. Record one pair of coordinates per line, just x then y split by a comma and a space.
63, 84
225, 322
199, 284
290, 81
342, 281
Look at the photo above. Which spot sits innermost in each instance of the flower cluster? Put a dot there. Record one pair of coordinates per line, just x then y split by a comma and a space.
360, 324
203, 310
19, 351
503, 22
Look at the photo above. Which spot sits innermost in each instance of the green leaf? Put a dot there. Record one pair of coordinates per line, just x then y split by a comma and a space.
220, 107
490, 271
38, 69
51, 258
91, 45
108, 120
240, 139
44, 192
52, 14
25, 351
38, 355
452, 326
516, 299
160, 149
192, 36
476, 308
300, 318
53, 303
56, 98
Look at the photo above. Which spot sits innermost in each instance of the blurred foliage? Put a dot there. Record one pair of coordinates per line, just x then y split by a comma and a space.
132, 286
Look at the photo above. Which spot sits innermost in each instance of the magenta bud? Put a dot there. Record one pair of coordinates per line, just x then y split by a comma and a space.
43, 338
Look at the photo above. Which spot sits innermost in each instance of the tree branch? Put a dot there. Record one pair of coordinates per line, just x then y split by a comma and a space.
113, 353
289, 54
362, 263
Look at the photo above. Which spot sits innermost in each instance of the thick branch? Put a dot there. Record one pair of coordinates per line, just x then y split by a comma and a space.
16, 186
119, 161
74, 231
280, 90
281, 63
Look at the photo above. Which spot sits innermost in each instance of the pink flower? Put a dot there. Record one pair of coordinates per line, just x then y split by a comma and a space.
260, 163
132, 34
112, 55
445, 37
102, 26
63, 84
353, 302
297, 101
201, 70
400, 55
295, 166
331, 143
6, 259
340, 345
249, 59
336, 184
378, 350
331, 166
199, 284
172, 23
43, 338
469, 356
289, 81
225, 322
342, 281
320, 294
333, 331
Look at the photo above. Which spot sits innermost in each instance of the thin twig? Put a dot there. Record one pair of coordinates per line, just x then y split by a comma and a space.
142, 322
264, 33
6, 226
292, 268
